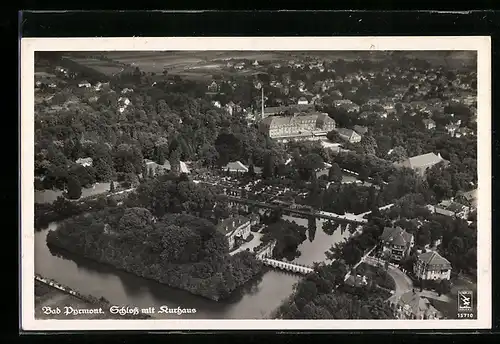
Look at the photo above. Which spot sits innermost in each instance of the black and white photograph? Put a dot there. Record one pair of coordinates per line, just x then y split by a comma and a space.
196, 180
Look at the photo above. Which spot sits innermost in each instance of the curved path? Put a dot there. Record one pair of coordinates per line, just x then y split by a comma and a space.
402, 281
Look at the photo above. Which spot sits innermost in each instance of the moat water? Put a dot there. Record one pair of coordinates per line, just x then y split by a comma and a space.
256, 300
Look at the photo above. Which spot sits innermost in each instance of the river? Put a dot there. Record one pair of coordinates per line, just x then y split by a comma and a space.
256, 300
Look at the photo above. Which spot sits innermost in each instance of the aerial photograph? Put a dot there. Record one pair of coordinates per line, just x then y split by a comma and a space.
255, 185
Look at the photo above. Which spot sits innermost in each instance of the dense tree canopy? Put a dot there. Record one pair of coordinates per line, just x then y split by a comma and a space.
179, 250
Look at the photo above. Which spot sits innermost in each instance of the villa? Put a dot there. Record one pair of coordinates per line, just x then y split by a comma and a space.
396, 242
432, 266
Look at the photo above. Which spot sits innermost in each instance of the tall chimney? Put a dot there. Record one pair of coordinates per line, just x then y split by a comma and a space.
262, 105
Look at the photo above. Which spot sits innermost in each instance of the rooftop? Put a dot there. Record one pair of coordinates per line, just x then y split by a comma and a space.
228, 225
417, 304
345, 132
182, 166
425, 160
396, 236
435, 259
470, 195
235, 166
360, 129
319, 117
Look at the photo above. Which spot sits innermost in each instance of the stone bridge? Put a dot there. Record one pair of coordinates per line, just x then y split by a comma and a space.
286, 266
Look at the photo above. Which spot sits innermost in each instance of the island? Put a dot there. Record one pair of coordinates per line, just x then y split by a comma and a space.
181, 251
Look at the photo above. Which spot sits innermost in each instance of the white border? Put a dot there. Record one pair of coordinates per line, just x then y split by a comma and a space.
481, 44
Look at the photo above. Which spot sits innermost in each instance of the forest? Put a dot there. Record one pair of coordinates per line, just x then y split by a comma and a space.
181, 251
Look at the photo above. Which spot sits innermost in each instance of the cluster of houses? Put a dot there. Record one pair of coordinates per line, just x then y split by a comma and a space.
453, 128
396, 243
412, 304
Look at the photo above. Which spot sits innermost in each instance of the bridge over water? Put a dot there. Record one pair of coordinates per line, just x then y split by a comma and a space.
265, 253
304, 213
286, 266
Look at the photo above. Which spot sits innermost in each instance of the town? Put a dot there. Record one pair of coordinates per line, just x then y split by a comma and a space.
357, 174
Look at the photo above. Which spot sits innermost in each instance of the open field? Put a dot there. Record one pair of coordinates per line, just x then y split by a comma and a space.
190, 64
101, 66
202, 64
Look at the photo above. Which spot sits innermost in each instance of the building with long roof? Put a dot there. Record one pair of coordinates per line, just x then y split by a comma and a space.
421, 163
297, 126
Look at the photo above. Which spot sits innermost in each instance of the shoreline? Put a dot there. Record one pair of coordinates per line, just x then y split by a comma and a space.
101, 303
64, 250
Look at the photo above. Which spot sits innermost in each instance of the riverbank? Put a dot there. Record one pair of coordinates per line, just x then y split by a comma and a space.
255, 300
199, 266
55, 301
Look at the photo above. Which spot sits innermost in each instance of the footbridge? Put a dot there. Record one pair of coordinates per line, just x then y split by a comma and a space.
286, 266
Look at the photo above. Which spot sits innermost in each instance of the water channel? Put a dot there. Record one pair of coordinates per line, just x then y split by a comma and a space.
256, 300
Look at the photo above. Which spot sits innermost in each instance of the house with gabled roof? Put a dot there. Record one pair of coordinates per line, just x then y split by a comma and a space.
432, 266
396, 242
348, 135
235, 167
421, 163
411, 305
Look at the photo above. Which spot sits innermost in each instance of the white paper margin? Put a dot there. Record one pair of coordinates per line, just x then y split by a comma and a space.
481, 44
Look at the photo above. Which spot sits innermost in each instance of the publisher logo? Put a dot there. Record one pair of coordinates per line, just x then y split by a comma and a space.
465, 300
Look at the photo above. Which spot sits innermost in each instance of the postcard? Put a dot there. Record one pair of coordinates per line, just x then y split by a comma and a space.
287, 183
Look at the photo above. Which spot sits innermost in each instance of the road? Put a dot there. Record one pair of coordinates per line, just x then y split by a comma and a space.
402, 281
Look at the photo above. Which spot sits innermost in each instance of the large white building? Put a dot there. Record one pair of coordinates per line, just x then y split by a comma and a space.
297, 126
236, 229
